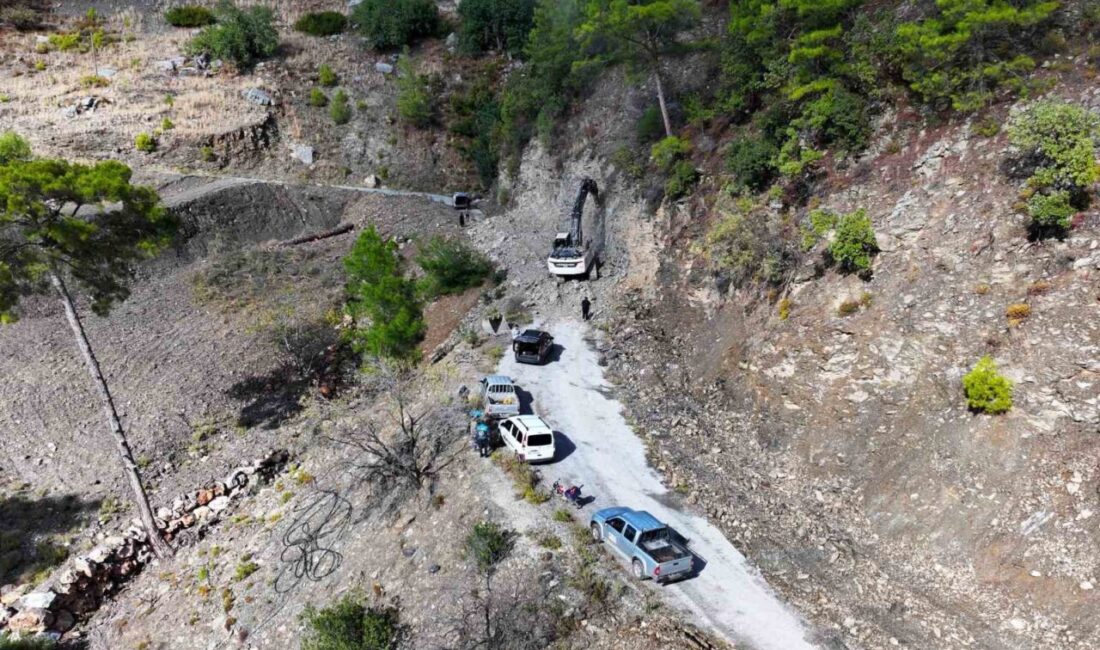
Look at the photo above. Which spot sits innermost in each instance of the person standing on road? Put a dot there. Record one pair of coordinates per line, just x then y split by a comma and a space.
586, 305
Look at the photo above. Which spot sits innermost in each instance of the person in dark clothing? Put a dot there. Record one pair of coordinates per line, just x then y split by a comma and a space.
586, 305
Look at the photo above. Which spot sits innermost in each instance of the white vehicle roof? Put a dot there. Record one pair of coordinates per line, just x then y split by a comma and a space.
532, 423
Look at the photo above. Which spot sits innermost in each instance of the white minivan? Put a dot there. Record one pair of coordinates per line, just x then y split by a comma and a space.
528, 436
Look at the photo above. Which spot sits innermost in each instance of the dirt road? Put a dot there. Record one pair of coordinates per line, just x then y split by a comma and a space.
596, 447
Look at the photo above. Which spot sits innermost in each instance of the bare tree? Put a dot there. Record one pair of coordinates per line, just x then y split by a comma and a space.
411, 441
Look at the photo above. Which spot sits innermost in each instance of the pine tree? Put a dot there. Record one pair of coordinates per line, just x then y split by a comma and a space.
67, 225
381, 300
640, 33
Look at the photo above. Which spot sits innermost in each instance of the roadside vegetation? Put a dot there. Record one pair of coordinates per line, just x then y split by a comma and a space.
393, 24
242, 36
382, 301
189, 16
451, 266
324, 23
349, 624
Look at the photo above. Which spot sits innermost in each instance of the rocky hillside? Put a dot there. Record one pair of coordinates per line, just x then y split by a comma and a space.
802, 269
823, 422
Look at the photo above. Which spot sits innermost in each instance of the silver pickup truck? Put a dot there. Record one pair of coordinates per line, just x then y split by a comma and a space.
498, 394
653, 549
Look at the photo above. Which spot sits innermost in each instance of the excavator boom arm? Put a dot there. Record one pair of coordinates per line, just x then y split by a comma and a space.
588, 186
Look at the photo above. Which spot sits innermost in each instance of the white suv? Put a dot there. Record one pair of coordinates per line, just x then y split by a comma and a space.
528, 436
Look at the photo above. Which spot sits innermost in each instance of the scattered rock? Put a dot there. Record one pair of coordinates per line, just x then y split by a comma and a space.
303, 152
219, 504
258, 97
383, 67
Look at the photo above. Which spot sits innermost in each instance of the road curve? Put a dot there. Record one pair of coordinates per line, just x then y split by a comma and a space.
729, 595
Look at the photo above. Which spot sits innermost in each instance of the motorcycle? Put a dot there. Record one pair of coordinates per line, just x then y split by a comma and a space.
572, 493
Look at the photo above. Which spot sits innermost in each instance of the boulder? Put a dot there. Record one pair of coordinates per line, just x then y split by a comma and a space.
11, 593
383, 67
170, 65
304, 153
258, 96
219, 504
37, 600
372, 181
63, 621
30, 621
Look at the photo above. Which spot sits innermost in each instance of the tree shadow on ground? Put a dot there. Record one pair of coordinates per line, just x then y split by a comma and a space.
270, 399
33, 531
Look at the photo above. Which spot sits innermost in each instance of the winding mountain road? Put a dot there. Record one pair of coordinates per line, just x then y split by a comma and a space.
599, 450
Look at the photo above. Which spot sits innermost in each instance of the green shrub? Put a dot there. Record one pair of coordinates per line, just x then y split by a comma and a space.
26, 643
348, 625
650, 125
783, 308
326, 76
390, 24
855, 242
985, 389
388, 314
1062, 137
189, 16
1059, 139
751, 160
324, 23
1053, 210
821, 222
666, 152
240, 36
13, 147
167, 125
682, 177
94, 81
487, 545
414, 102
318, 98
473, 116
340, 111
64, 42
452, 266
744, 245
494, 25
207, 154
245, 568
22, 16
145, 142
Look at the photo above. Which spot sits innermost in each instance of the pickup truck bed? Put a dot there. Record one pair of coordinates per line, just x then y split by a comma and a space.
662, 551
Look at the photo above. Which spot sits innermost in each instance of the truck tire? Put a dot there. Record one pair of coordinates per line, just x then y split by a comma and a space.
596, 534
637, 569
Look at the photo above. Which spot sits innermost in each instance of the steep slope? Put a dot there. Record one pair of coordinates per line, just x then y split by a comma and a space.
835, 445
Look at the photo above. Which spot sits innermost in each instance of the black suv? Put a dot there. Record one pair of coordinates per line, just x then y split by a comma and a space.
533, 346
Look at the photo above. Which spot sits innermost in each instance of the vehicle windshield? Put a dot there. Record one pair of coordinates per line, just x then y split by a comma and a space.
540, 440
